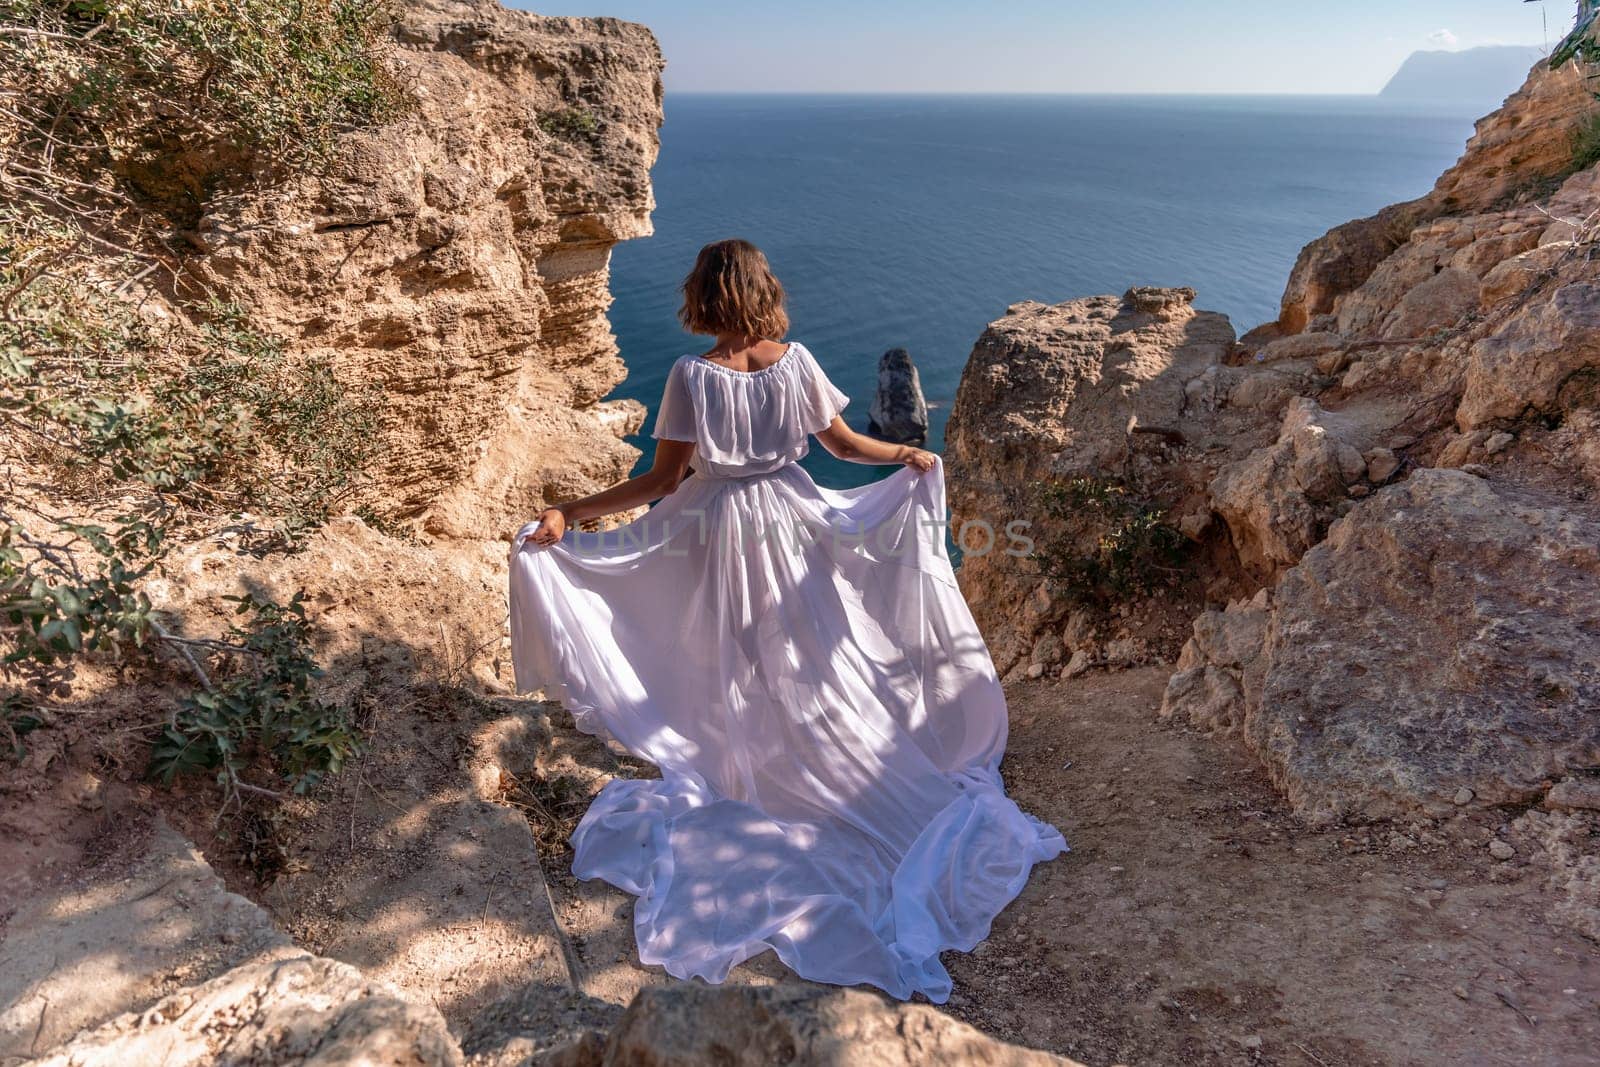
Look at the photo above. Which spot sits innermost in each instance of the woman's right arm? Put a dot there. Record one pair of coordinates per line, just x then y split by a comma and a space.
672, 462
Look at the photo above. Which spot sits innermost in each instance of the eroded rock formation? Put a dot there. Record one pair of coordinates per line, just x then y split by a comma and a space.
1391, 493
458, 257
1105, 387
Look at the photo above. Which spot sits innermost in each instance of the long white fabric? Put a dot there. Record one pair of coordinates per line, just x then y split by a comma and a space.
801, 666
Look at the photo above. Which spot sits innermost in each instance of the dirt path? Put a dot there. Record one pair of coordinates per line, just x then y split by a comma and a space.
1196, 921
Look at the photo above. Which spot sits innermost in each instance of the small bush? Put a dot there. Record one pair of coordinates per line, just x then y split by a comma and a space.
142, 431
1586, 144
263, 712
284, 76
1103, 543
224, 418
570, 124
122, 118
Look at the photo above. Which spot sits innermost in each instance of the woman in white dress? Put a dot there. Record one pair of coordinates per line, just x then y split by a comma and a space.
798, 662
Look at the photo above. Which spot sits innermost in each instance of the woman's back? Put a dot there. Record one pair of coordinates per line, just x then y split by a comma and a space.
747, 423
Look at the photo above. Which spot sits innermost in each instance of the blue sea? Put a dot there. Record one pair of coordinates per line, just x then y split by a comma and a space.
914, 221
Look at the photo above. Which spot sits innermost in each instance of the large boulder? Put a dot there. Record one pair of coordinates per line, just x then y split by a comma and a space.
690, 1025
1545, 361
151, 917
1439, 644
1132, 391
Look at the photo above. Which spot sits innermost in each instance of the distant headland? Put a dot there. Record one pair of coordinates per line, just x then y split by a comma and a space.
1479, 76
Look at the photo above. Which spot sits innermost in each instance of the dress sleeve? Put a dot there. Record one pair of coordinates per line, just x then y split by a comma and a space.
822, 400
675, 417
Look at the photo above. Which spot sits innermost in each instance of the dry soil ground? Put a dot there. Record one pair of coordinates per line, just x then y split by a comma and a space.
1196, 921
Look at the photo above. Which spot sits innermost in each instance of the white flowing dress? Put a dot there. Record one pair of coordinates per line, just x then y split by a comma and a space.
801, 666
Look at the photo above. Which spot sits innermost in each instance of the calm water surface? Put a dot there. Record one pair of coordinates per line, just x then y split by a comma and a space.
914, 221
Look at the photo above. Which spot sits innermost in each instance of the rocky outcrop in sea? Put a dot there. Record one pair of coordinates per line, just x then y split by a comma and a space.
899, 411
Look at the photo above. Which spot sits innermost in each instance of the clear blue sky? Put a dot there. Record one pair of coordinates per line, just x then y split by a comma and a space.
1172, 46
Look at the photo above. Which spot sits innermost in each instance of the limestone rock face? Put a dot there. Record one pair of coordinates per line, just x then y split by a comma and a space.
689, 1025
899, 411
1389, 494
1441, 638
1220, 663
1518, 148
1544, 362
458, 257
302, 1010
1124, 389
78, 954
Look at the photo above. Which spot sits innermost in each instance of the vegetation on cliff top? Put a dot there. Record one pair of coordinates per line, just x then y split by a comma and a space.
124, 427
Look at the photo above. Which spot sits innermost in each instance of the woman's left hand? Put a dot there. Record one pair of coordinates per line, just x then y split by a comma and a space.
552, 524
919, 460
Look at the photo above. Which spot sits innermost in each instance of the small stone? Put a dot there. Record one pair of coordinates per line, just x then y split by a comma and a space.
1036, 670
1460, 991
1498, 443
1078, 664
1401, 843
1500, 850
1250, 1043
1576, 794
1463, 797
1381, 465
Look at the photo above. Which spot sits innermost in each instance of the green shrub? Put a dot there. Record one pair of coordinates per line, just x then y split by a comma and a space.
263, 712
174, 97
138, 431
1102, 543
222, 418
1581, 44
1586, 144
118, 433
280, 75
570, 124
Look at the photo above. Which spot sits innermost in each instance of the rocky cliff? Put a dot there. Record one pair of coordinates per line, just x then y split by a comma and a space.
1387, 497
458, 258
454, 258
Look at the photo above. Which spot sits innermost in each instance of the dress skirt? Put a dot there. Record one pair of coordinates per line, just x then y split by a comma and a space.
803, 669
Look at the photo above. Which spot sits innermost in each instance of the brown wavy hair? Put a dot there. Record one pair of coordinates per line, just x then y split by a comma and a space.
732, 290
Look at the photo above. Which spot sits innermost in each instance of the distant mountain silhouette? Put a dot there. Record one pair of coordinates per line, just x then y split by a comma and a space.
1479, 76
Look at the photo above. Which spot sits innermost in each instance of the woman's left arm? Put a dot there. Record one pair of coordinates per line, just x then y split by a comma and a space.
846, 444
664, 475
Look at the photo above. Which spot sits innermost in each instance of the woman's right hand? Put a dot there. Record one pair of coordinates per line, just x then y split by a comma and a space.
552, 525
